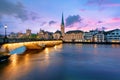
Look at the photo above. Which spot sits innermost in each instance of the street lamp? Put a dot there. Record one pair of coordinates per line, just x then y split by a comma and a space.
5, 31
5, 38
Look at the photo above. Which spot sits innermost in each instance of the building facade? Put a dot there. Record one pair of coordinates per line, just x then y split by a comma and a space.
20, 35
88, 37
73, 36
57, 35
113, 36
43, 35
99, 37
13, 35
28, 32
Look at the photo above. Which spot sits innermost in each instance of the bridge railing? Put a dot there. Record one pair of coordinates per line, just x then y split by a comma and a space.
16, 40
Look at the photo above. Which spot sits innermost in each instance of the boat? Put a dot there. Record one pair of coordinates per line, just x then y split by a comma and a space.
4, 58
19, 50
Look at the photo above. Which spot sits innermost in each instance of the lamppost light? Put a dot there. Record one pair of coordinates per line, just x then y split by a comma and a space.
5, 26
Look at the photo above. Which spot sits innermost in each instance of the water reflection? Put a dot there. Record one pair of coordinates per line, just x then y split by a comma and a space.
23, 64
95, 45
14, 60
116, 45
65, 62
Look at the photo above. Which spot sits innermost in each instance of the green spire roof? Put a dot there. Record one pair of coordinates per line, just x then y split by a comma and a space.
62, 23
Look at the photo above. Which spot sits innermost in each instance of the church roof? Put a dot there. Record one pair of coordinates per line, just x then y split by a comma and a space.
74, 31
58, 32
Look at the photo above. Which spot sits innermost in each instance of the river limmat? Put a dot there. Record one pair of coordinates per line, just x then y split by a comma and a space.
65, 62
59, 39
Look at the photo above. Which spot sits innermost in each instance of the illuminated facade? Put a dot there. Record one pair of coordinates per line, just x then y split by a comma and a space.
57, 35
20, 35
88, 37
99, 37
28, 32
113, 35
12, 35
44, 35
73, 36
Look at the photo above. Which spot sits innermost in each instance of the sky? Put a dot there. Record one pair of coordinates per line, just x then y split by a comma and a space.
85, 15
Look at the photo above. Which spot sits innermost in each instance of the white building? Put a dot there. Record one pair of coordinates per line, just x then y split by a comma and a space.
113, 35
99, 37
88, 37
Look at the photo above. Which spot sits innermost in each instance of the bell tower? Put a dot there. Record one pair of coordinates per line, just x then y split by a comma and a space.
62, 26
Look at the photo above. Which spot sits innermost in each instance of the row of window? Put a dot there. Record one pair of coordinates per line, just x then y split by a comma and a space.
113, 34
113, 38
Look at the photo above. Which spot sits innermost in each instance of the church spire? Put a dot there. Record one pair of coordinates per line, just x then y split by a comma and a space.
62, 26
62, 22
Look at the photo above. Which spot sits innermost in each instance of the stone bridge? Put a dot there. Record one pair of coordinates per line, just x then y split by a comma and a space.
30, 45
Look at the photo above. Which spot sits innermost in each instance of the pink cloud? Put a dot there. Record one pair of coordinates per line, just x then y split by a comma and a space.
110, 23
85, 25
116, 19
113, 20
91, 24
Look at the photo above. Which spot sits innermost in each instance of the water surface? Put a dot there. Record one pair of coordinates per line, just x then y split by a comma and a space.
65, 62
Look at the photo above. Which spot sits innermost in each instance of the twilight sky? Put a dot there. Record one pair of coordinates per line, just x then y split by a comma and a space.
85, 15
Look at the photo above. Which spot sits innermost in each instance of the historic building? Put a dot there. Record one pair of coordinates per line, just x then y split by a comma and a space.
70, 36
94, 36
99, 37
20, 35
88, 37
13, 35
73, 36
113, 36
57, 35
60, 34
28, 32
44, 35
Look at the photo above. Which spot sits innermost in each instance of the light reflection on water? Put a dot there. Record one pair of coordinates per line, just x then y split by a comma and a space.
65, 62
